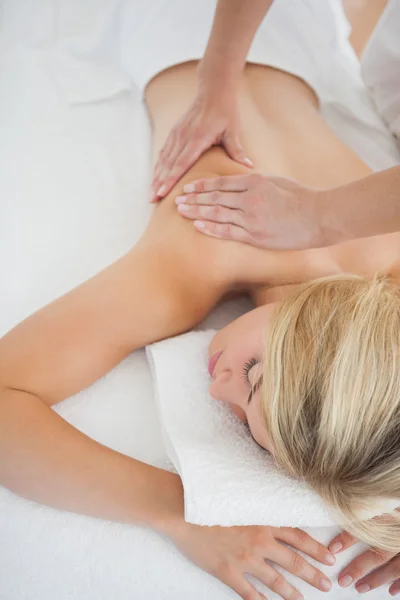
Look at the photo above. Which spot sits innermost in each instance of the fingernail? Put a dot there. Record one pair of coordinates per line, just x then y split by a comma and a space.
330, 559
335, 547
247, 161
162, 190
180, 199
183, 207
364, 587
325, 584
199, 224
345, 581
188, 188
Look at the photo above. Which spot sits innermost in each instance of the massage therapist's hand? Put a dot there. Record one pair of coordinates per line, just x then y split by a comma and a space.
269, 212
211, 120
370, 570
228, 553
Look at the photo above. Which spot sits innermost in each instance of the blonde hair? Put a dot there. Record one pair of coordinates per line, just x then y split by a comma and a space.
331, 398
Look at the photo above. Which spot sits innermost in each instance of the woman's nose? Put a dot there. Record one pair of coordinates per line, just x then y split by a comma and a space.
223, 394
220, 387
223, 388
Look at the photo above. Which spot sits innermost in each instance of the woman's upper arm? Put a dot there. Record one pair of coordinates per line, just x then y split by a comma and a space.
79, 337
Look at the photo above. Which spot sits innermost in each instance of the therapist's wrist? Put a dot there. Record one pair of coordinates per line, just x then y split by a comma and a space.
215, 78
334, 225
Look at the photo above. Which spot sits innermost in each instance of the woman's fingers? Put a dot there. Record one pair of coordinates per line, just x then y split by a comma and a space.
228, 183
294, 563
276, 582
239, 584
341, 542
395, 588
389, 571
161, 162
360, 566
297, 538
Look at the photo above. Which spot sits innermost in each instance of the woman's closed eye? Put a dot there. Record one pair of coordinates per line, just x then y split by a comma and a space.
247, 367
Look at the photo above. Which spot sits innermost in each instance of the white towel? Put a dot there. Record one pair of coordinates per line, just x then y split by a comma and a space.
227, 478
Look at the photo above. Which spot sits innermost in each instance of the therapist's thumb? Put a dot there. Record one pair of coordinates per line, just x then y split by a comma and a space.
235, 150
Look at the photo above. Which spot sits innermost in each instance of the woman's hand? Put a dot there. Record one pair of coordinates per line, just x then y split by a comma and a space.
268, 212
229, 552
211, 120
382, 567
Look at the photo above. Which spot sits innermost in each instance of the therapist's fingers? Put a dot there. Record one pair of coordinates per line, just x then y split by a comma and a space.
226, 231
228, 199
160, 165
167, 165
225, 183
217, 214
235, 150
180, 163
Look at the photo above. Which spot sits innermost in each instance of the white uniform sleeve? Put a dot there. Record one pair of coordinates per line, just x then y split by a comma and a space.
380, 66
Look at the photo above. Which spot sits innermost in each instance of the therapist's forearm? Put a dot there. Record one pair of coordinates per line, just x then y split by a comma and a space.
45, 459
367, 207
235, 24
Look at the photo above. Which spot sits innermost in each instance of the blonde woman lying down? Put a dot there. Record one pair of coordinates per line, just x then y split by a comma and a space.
328, 404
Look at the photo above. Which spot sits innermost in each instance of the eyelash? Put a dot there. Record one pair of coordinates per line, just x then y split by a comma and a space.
246, 368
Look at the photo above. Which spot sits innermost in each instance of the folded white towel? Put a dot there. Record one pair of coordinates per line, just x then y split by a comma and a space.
227, 478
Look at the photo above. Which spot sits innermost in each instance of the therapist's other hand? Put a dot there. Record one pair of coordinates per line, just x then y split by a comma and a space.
268, 212
212, 119
228, 553
370, 570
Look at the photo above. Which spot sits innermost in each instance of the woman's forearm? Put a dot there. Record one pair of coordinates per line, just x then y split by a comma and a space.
45, 459
235, 24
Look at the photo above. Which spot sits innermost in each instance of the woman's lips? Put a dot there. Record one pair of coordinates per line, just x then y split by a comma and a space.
213, 362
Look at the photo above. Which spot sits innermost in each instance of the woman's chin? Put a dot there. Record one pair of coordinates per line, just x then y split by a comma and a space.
238, 412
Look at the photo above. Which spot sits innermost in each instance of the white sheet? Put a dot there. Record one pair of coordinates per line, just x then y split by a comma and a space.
73, 191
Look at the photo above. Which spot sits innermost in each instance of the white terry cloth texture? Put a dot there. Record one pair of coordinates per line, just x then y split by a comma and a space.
228, 479
73, 187
380, 67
